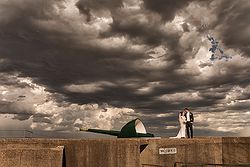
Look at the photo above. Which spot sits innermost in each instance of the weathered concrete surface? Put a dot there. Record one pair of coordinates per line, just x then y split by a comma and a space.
77, 153
29, 157
102, 153
122, 152
236, 150
202, 150
207, 150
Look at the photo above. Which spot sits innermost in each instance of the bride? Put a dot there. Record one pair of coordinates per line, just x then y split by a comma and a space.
182, 121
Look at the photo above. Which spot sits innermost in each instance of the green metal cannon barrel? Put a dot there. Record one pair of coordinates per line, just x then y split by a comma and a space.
132, 129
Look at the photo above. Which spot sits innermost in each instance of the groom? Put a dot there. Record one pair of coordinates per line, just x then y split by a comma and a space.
189, 122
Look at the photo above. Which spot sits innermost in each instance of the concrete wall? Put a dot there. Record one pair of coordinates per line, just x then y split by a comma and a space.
29, 157
102, 153
209, 150
121, 152
202, 150
236, 150
77, 153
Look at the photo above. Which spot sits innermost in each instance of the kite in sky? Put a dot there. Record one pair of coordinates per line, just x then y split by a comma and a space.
217, 52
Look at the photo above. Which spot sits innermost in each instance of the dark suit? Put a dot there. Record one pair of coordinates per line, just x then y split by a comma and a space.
189, 124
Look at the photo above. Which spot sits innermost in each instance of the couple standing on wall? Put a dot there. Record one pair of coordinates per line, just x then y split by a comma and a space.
186, 120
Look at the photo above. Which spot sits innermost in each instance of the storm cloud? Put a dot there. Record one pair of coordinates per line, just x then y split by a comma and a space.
67, 64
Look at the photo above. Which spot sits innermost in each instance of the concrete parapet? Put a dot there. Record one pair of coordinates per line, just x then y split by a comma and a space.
136, 152
236, 150
165, 152
30, 157
81, 153
102, 153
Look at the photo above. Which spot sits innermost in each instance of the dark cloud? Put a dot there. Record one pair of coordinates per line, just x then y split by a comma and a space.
166, 8
240, 106
233, 24
99, 4
87, 7
20, 112
125, 54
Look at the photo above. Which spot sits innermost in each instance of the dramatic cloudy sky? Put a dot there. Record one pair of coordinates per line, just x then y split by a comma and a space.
66, 64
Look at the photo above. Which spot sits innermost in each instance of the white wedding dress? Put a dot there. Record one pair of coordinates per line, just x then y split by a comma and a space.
182, 131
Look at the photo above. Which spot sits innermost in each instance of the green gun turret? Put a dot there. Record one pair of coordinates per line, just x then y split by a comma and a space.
132, 129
